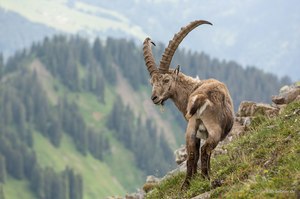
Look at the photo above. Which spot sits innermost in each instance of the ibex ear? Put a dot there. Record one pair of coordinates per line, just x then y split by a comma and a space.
177, 70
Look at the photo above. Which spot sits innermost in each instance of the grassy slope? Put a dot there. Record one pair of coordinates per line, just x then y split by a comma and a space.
117, 175
97, 177
101, 179
14, 189
264, 163
121, 161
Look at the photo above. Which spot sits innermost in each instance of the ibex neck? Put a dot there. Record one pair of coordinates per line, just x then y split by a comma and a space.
185, 85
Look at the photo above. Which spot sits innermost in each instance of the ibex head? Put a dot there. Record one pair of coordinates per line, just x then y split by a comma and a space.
163, 79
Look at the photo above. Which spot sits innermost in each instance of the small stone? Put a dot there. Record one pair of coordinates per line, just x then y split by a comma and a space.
278, 99
152, 179
247, 121
284, 89
271, 126
149, 186
267, 163
180, 155
288, 139
205, 195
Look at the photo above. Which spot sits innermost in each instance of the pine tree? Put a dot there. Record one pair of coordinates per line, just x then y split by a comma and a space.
1, 66
54, 131
2, 195
2, 169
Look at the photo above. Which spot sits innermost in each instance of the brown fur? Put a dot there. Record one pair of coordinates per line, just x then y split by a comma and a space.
217, 118
206, 104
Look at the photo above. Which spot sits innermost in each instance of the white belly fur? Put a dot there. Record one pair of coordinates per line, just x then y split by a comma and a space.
202, 132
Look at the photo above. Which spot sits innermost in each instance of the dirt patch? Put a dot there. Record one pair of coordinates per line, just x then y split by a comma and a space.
45, 78
97, 116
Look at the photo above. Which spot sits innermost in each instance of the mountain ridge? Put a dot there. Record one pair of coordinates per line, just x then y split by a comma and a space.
247, 33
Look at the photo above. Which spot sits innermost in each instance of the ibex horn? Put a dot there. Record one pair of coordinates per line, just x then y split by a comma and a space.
174, 43
148, 56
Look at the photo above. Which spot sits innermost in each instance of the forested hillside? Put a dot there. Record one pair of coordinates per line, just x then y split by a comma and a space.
64, 92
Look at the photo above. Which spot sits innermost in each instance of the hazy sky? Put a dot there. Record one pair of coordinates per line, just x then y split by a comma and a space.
253, 32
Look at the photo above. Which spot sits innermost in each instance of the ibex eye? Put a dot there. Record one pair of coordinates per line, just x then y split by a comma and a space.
166, 80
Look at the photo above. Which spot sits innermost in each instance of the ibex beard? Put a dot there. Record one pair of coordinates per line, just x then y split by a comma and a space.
205, 104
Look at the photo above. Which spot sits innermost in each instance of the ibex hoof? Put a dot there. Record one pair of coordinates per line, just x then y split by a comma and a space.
185, 185
205, 175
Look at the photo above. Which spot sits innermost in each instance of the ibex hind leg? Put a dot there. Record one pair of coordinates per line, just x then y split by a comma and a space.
206, 151
204, 163
197, 155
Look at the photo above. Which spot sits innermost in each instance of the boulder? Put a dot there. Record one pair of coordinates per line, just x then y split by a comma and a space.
180, 155
151, 183
251, 109
287, 94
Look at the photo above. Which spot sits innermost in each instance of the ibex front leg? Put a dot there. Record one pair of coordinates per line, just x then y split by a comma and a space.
192, 147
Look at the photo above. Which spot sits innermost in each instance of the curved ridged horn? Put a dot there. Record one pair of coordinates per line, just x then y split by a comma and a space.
148, 56
174, 43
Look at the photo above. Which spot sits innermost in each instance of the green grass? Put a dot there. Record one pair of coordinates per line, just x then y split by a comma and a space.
264, 163
94, 112
15, 189
97, 176
122, 165
121, 161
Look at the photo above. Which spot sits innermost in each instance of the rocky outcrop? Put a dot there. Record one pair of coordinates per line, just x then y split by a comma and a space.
252, 109
180, 155
287, 94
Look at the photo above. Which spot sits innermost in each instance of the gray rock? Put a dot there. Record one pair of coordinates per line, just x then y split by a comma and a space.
152, 179
205, 195
284, 89
138, 195
287, 95
180, 155
251, 109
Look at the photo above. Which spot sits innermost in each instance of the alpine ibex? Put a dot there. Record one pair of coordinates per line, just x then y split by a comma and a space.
205, 104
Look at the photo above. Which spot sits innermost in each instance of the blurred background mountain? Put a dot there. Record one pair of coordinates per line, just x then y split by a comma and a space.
265, 34
76, 119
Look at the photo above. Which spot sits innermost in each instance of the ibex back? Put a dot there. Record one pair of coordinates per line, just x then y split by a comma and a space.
205, 104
